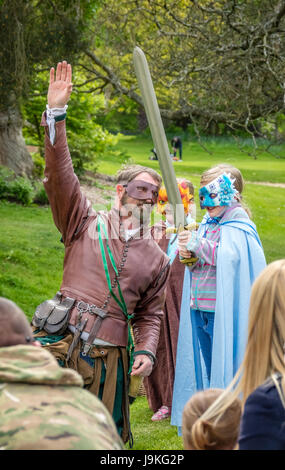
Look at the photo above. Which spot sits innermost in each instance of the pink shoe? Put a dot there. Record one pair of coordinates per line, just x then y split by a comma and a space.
162, 413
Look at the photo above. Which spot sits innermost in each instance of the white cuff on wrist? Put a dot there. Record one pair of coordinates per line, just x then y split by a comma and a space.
51, 114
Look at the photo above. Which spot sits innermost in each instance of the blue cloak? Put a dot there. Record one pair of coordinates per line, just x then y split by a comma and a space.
240, 260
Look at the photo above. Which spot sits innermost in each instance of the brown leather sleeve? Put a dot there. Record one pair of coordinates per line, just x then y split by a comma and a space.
149, 312
69, 206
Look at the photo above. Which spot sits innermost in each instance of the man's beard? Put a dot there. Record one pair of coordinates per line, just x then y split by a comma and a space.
137, 212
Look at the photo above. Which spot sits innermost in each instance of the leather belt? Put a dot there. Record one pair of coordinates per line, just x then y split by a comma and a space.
90, 308
84, 307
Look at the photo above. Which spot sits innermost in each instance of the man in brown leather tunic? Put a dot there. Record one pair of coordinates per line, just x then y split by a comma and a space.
100, 353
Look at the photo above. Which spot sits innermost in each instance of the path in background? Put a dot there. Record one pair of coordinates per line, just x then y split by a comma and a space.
266, 183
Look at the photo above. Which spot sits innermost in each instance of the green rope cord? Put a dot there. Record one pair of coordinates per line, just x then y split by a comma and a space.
121, 302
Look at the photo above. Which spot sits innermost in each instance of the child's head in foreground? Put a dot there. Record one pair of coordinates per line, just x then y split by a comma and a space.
201, 434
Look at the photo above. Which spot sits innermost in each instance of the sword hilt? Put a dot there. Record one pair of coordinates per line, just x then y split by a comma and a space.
190, 227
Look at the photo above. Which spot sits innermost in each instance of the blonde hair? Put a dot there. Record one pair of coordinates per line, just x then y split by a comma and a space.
264, 353
217, 170
200, 434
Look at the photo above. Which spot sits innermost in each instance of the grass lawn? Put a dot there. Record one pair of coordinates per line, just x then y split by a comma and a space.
267, 203
31, 254
196, 159
149, 435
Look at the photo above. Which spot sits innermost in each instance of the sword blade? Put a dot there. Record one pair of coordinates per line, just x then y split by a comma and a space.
158, 136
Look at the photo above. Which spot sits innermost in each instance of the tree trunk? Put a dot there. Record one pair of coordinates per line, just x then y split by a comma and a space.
142, 120
13, 152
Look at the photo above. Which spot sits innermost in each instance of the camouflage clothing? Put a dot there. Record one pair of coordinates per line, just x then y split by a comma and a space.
44, 407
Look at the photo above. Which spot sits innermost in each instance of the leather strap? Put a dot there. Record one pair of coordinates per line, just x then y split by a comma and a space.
78, 330
121, 302
279, 389
101, 314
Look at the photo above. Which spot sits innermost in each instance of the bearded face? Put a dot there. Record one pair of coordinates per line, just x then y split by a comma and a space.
138, 200
135, 209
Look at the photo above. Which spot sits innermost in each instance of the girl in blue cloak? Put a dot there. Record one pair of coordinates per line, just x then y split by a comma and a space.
216, 289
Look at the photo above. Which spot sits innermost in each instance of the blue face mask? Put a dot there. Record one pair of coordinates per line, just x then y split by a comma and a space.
220, 192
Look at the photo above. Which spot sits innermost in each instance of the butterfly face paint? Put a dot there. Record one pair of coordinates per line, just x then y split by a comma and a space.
185, 194
220, 192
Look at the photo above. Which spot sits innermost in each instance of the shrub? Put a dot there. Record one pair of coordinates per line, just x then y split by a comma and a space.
39, 165
21, 190
13, 188
40, 196
5, 176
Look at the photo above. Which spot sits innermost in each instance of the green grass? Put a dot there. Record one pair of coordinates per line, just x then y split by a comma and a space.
266, 203
149, 435
268, 212
31, 255
196, 159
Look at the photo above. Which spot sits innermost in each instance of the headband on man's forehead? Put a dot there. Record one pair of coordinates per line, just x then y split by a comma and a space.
142, 190
219, 192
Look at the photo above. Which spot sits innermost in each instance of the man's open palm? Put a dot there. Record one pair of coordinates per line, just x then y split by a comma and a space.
60, 86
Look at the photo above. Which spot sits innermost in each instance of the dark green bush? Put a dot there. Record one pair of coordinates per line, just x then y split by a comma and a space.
39, 165
5, 176
40, 196
21, 190
13, 188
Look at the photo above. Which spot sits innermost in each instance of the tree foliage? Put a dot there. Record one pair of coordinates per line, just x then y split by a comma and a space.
34, 36
211, 61
34, 32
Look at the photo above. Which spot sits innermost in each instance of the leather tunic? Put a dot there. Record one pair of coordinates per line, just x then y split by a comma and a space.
145, 271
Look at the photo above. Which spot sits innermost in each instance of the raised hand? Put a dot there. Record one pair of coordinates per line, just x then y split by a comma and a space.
60, 86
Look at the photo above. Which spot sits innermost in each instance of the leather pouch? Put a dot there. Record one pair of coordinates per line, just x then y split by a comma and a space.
53, 315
